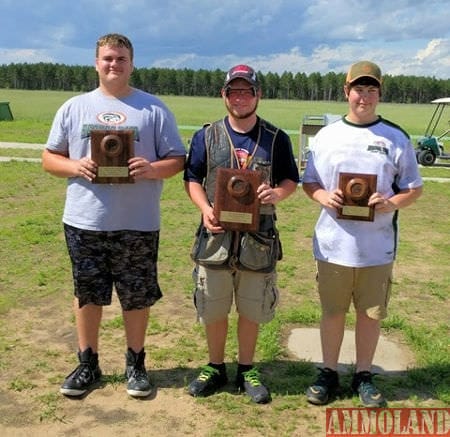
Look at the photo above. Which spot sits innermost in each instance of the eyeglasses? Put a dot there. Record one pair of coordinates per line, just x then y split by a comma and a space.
241, 92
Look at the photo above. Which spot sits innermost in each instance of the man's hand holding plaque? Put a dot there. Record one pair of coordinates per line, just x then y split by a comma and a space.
236, 204
357, 189
111, 150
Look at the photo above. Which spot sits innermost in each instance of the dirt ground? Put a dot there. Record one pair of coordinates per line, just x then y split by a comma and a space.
42, 344
38, 409
40, 351
40, 354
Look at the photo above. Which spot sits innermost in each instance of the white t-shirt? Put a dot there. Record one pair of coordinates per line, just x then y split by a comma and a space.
111, 207
380, 148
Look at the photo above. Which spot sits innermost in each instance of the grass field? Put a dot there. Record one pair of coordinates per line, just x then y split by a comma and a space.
37, 329
33, 112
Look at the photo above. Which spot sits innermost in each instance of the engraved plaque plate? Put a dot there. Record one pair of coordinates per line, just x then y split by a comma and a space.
357, 188
236, 204
111, 150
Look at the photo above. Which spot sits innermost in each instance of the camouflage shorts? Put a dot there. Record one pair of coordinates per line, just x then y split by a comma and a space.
126, 260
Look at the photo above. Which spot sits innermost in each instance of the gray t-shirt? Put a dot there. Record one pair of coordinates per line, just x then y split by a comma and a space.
110, 207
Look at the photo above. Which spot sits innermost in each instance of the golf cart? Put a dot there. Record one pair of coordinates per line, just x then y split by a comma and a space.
431, 147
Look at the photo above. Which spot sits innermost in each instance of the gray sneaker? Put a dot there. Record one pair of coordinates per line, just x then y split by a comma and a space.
85, 377
369, 395
138, 382
324, 388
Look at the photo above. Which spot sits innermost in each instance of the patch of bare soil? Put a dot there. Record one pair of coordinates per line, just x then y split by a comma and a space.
40, 352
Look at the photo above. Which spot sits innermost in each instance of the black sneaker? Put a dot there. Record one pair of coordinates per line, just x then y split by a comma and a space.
250, 382
85, 377
208, 381
369, 395
324, 387
138, 383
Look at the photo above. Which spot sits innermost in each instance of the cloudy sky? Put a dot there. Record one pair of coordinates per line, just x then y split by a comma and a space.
409, 37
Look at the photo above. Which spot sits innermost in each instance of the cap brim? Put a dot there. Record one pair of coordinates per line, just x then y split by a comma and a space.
365, 75
251, 82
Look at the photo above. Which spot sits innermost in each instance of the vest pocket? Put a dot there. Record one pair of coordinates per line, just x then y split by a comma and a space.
209, 248
259, 252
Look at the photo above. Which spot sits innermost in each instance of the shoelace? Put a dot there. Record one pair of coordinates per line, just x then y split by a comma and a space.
252, 377
370, 389
83, 372
138, 374
206, 373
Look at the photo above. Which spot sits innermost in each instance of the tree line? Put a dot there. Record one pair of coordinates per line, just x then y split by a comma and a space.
188, 82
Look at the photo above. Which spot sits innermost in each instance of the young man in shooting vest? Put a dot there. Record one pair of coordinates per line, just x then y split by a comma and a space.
241, 140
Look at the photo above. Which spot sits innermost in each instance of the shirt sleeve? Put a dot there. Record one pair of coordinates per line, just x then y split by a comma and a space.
284, 165
168, 139
409, 174
57, 140
310, 175
196, 165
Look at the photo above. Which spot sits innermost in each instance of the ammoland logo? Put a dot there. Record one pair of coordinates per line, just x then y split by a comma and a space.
389, 422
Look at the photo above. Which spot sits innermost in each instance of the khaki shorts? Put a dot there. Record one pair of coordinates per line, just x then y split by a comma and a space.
255, 294
368, 287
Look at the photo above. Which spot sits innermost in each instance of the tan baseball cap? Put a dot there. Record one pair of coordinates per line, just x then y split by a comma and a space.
364, 69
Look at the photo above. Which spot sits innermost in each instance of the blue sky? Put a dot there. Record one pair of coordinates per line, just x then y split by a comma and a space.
409, 37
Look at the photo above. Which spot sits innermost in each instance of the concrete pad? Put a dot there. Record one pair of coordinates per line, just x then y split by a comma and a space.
389, 357
22, 145
11, 158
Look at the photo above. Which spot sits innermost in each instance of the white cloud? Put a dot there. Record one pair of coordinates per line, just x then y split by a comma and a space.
436, 50
12, 56
405, 37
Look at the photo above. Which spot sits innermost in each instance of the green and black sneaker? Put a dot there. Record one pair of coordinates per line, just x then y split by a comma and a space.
249, 382
208, 381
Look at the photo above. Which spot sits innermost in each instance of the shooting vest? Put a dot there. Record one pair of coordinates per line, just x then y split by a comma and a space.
219, 151
237, 250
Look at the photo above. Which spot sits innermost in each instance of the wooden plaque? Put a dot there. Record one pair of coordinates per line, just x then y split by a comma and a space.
111, 150
357, 188
236, 204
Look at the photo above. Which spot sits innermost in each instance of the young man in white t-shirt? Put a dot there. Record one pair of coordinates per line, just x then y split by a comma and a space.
355, 257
